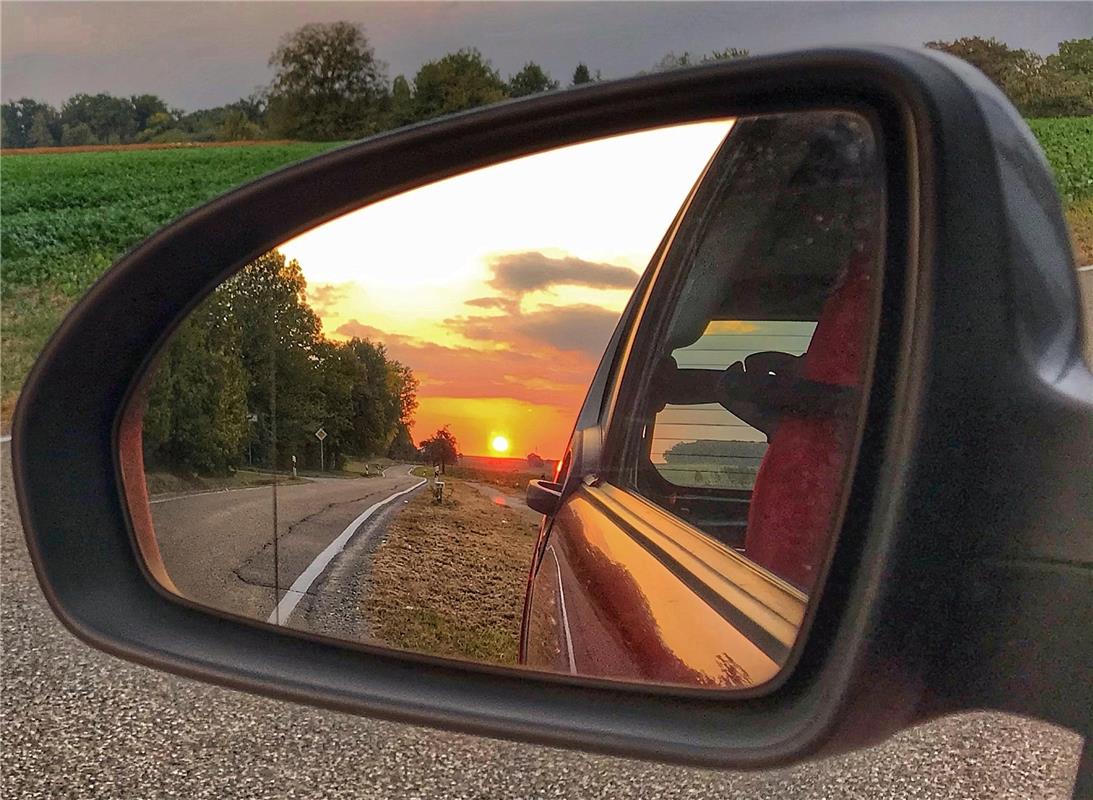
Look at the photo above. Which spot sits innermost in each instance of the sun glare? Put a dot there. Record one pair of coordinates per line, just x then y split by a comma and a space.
499, 444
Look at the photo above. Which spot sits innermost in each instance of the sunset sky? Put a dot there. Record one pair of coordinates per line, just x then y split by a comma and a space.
501, 287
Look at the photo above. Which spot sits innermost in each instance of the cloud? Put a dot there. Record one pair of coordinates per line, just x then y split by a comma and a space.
582, 328
505, 303
520, 273
531, 372
324, 297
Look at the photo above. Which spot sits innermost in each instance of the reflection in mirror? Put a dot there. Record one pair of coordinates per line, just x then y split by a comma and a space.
338, 440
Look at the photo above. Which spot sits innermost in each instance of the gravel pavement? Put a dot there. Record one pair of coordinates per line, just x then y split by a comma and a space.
77, 723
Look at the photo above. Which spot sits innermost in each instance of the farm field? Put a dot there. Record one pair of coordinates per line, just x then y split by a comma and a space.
65, 217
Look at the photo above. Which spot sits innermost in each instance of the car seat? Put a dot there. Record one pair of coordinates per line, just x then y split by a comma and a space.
800, 481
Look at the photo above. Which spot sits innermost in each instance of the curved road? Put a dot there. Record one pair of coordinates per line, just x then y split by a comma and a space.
218, 547
78, 723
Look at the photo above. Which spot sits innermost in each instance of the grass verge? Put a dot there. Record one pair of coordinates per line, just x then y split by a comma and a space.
170, 483
449, 579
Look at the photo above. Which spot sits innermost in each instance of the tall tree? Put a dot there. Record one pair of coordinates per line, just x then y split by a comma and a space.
1057, 86
196, 417
402, 102
40, 134
145, 106
279, 339
112, 120
460, 80
328, 83
17, 118
531, 79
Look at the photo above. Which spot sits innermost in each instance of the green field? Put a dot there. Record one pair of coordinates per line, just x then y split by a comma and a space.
64, 218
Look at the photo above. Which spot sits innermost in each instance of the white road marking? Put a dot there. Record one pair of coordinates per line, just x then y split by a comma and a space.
565, 616
300, 586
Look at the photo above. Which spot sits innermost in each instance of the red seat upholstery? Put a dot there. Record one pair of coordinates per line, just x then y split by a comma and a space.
800, 481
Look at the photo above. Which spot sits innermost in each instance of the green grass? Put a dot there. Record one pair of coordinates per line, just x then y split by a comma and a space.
166, 482
65, 218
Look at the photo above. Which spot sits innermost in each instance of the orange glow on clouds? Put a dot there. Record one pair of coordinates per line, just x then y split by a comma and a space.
500, 287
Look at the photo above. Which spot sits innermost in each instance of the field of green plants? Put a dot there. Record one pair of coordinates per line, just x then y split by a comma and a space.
1068, 144
64, 218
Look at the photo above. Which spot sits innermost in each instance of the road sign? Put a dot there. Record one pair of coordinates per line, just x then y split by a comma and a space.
320, 435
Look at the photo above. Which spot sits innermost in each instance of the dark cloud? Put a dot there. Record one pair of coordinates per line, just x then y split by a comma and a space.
579, 328
520, 273
325, 296
503, 303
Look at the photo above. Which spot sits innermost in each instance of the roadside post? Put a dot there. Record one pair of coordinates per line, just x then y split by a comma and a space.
320, 435
294, 466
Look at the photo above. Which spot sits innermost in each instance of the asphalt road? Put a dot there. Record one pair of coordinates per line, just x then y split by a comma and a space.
77, 723
218, 547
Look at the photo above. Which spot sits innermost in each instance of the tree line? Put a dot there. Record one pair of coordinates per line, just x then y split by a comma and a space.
249, 378
328, 85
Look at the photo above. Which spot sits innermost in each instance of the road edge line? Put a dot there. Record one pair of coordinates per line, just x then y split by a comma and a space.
284, 608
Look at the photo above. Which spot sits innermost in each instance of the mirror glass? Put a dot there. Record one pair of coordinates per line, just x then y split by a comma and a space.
379, 431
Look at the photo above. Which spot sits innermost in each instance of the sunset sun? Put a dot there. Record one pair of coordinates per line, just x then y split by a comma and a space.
499, 444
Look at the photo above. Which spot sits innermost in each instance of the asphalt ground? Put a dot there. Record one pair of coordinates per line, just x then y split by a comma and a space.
77, 723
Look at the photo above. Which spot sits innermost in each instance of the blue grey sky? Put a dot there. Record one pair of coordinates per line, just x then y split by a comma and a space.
196, 55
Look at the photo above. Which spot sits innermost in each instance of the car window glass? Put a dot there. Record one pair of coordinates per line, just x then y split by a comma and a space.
743, 425
704, 444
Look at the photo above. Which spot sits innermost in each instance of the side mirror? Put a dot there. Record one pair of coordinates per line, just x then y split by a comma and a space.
956, 570
544, 497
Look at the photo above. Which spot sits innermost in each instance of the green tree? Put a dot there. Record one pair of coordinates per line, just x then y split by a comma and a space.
460, 80
402, 445
328, 85
145, 106
582, 75
236, 127
17, 118
40, 134
196, 417
111, 119
441, 448
531, 79
1057, 86
78, 135
279, 345
402, 102
995, 59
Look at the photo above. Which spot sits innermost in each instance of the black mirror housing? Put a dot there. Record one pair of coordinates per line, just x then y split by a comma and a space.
544, 496
963, 575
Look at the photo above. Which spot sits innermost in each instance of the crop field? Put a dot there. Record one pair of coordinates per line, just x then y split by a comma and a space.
65, 217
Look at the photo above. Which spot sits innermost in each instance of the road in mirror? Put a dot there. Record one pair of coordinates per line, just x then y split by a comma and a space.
339, 438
